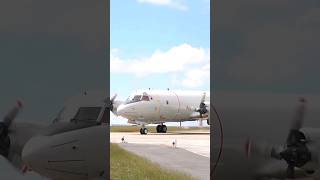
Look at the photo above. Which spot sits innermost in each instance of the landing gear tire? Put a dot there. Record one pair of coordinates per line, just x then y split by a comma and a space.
161, 129
143, 131
164, 128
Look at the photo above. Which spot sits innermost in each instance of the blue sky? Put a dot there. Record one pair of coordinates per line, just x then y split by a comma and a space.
159, 44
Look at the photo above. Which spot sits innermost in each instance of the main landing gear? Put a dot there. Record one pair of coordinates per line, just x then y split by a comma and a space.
143, 130
161, 128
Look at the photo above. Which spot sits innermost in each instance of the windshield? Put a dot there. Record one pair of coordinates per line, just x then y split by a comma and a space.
59, 115
87, 114
137, 97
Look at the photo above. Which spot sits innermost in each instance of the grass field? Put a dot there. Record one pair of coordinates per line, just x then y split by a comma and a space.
127, 166
153, 129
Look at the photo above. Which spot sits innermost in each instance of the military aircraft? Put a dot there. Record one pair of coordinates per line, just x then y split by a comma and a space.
159, 106
74, 146
265, 136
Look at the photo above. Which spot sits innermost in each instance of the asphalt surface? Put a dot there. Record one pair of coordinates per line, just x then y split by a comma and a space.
191, 155
173, 158
196, 142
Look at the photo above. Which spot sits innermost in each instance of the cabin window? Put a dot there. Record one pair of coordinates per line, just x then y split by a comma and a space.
167, 101
87, 114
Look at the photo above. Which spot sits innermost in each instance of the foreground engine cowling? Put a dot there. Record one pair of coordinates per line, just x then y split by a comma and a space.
301, 150
312, 136
6, 134
78, 154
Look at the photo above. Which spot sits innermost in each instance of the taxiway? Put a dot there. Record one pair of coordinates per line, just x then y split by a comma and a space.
191, 156
196, 142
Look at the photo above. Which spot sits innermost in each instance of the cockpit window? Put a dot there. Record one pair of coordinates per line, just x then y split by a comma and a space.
137, 98
145, 98
133, 99
58, 117
87, 114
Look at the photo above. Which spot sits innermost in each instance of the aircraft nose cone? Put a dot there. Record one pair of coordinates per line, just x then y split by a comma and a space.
121, 110
33, 152
125, 110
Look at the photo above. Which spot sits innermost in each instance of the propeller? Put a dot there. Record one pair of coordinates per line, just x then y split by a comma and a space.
295, 152
112, 102
5, 129
202, 107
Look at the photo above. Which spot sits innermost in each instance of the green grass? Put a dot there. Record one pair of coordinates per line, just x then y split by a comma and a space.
127, 166
153, 129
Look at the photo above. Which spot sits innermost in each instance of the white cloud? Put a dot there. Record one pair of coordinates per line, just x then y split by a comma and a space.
188, 66
176, 59
197, 77
178, 4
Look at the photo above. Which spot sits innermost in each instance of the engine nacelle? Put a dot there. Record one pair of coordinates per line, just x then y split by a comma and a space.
78, 154
312, 136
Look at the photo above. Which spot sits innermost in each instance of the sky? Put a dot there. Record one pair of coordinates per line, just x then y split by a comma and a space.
159, 44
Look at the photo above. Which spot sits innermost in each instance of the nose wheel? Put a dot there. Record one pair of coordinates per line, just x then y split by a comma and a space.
161, 129
143, 131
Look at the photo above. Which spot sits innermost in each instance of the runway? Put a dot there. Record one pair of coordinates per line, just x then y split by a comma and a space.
173, 158
192, 155
196, 142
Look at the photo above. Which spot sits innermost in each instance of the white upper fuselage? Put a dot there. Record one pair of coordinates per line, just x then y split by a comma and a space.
159, 106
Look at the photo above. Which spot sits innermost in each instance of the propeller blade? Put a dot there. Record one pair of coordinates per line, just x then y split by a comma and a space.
259, 149
297, 121
12, 114
295, 136
203, 98
290, 172
111, 103
113, 97
4, 129
295, 152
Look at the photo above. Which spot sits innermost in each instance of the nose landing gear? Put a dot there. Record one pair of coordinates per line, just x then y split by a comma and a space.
161, 128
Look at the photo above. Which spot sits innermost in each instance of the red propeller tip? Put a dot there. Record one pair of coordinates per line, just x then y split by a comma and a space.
19, 103
248, 145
